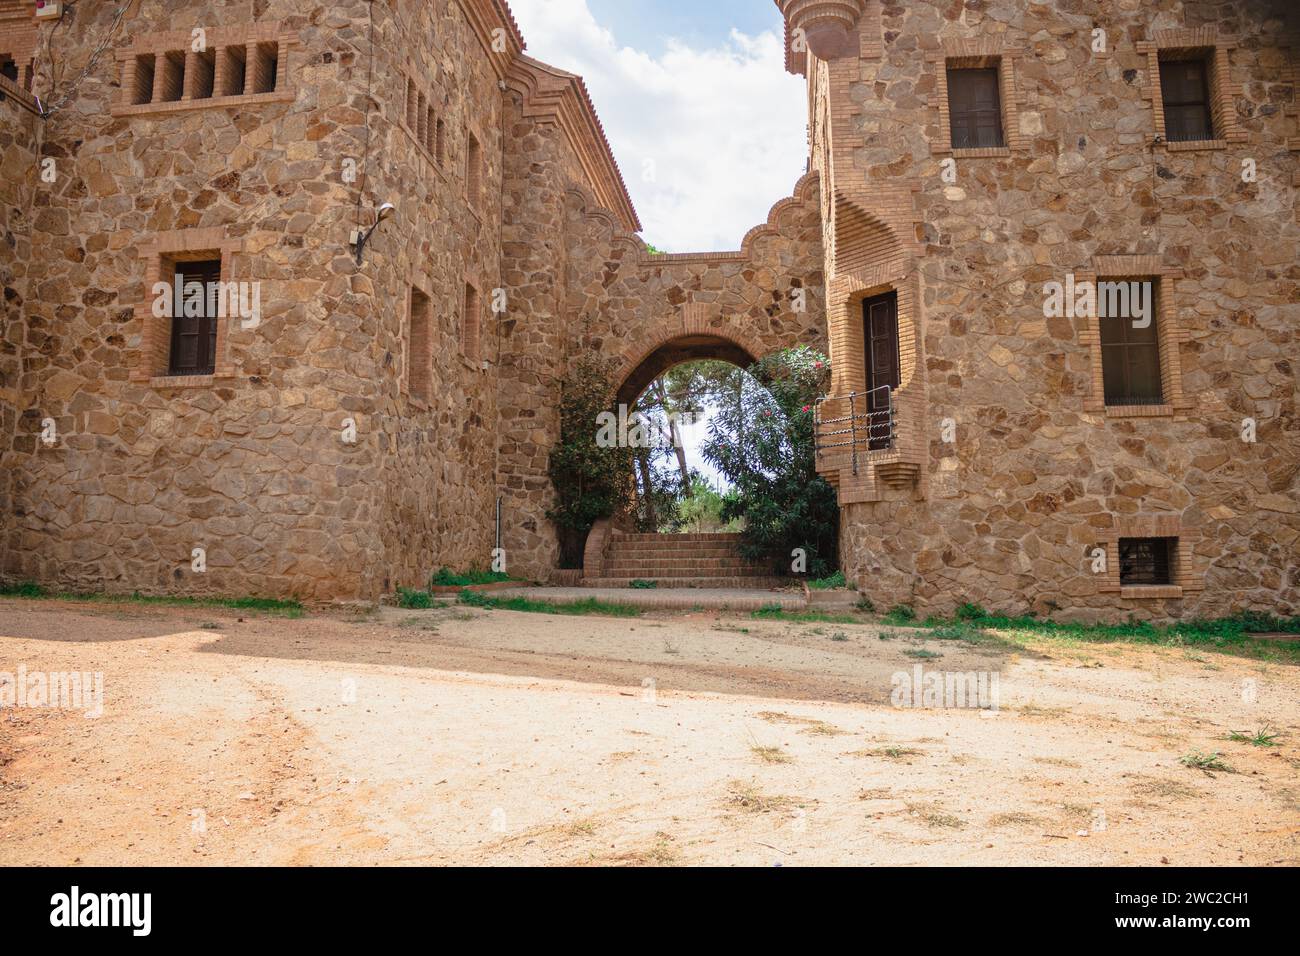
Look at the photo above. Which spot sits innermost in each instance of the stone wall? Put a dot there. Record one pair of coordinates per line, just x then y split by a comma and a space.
252, 464
1041, 472
616, 300
20, 133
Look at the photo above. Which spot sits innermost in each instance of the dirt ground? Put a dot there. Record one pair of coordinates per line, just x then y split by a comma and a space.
459, 736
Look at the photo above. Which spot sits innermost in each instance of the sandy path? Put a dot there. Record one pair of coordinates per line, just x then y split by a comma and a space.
461, 736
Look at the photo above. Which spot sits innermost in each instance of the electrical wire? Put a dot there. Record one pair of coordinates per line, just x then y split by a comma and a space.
57, 104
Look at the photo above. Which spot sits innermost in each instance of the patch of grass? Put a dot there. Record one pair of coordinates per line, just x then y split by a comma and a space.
839, 636
1058, 762
290, 608
1033, 710
641, 585
921, 654
749, 798
1169, 789
934, 817
1225, 634
1264, 737
529, 606
829, 583
866, 605
1015, 820
447, 578
413, 600
770, 754
890, 753
900, 614
1206, 762
23, 589
774, 612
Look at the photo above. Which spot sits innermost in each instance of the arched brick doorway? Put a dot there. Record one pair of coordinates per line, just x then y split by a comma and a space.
678, 351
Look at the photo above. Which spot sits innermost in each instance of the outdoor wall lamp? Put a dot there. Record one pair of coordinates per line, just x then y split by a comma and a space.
360, 238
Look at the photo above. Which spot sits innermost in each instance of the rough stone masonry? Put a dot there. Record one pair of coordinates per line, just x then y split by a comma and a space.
364, 429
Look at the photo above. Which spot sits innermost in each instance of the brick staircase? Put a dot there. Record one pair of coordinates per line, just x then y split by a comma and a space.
679, 561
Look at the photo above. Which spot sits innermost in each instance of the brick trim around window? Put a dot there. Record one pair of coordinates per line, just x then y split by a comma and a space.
421, 116
1186, 574
241, 66
1223, 92
978, 53
155, 333
1169, 329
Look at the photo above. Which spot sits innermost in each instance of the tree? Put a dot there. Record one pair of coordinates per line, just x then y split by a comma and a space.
590, 482
761, 439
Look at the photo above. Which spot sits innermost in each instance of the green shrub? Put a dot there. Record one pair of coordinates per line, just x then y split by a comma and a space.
761, 440
414, 600
828, 583
901, 614
447, 578
644, 585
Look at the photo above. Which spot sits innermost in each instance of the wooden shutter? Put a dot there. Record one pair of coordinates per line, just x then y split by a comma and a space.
194, 337
880, 335
1185, 89
975, 109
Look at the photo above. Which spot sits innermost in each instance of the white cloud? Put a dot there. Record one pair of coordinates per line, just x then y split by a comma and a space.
708, 139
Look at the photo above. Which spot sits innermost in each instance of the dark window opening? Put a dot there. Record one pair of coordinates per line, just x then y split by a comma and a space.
9, 69
194, 336
145, 64
205, 67
1130, 358
232, 83
975, 109
266, 68
1146, 561
421, 354
1185, 89
173, 83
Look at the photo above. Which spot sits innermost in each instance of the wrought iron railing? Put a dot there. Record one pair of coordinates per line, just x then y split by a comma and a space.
870, 424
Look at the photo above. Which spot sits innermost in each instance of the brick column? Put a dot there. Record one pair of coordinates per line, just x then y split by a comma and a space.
159, 78
219, 71
191, 72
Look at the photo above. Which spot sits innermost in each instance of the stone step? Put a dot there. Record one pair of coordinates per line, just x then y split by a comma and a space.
719, 538
682, 571
739, 582
651, 554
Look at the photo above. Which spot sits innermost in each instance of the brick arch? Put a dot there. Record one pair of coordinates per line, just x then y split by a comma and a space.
691, 337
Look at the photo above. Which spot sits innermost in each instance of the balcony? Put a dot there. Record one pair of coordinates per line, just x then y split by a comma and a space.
861, 439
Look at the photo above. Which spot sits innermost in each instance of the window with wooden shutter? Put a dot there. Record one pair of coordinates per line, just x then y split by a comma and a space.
880, 335
1130, 359
1185, 89
975, 108
1146, 561
194, 318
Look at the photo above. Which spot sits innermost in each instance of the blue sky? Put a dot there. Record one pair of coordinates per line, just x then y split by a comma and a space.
706, 125
648, 24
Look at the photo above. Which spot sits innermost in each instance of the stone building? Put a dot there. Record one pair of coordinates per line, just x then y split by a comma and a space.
374, 418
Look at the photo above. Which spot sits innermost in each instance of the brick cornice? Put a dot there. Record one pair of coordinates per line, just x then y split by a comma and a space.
562, 98
485, 18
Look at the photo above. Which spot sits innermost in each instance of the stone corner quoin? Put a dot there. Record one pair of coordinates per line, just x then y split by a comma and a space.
371, 421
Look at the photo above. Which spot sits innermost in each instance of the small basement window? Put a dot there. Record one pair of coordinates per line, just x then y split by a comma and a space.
1146, 561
